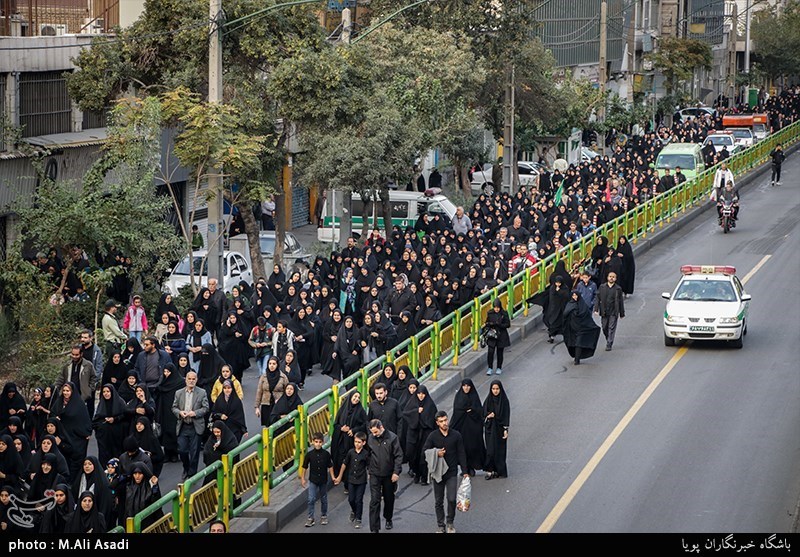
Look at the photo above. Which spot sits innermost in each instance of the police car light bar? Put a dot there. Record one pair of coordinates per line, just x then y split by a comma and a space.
708, 269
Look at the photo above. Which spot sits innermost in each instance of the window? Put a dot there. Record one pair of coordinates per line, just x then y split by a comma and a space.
267, 244
44, 105
686, 162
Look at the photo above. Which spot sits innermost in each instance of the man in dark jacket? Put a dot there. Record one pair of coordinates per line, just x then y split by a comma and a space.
385, 465
667, 181
150, 363
449, 445
384, 408
778, 156
401, 299
611, 307
79, 372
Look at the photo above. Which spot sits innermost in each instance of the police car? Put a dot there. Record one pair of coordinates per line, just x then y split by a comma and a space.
709, 303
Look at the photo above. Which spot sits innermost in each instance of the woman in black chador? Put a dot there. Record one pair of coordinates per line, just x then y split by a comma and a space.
468, 421
497, 416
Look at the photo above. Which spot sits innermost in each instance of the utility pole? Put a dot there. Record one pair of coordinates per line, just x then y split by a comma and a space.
747, 38
601, 112
508, 133
216, 242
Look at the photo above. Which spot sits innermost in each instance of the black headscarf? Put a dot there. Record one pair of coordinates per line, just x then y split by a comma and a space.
286, 404
55, 520
175, 381
114, 407
11, 461
210, 364
498, 404
83, 522
42, 483
95, 483
164, 307
148, 441
420, 420
116, 371
73, 415
464, 403
126, 391
26, 455
130, 357
231, 407
185, 369
12, 402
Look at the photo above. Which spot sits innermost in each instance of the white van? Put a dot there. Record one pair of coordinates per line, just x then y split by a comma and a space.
407, 206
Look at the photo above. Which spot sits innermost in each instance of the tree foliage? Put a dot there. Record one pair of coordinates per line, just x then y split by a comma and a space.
678, 58
777, 40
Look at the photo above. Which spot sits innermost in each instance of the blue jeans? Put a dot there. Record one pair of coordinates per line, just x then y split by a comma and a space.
189, 449
136, 334
315, 491
261, 364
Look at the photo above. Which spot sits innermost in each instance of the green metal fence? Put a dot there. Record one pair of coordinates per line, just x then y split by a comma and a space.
275, 455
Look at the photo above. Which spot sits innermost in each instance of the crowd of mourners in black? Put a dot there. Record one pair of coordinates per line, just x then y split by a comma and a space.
334, 317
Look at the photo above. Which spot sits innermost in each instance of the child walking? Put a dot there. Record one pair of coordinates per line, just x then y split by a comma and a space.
135, 320
355, 462
318, 464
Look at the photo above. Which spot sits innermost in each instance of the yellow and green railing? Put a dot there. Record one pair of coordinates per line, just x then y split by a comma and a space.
244, 477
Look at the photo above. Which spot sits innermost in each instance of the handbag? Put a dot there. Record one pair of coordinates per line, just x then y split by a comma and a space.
157, 429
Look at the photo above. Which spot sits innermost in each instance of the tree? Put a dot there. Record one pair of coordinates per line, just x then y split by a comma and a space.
114, 209
678, 58
777, 40
365, 112
167, 49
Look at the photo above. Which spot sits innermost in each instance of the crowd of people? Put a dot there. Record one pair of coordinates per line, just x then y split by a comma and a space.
164, 385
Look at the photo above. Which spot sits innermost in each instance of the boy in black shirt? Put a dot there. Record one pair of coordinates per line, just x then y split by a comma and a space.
317, 464
355, 462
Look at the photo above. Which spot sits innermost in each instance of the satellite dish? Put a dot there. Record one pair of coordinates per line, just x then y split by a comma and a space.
560, 164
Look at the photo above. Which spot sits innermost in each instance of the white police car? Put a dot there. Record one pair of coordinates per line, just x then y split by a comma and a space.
709, 303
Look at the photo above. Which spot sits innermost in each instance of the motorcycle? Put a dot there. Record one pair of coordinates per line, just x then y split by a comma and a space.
726, 216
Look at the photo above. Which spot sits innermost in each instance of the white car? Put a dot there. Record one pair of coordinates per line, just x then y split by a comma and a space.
690, 113
587, 155
482, 179
235, 269
743, 137
720, 140
709, 303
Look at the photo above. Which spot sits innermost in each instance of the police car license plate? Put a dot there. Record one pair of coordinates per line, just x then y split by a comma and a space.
701, 329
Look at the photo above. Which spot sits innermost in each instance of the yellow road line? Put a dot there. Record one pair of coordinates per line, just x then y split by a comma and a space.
594, 461
755, 269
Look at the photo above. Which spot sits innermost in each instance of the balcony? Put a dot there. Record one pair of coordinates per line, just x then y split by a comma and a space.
36, 18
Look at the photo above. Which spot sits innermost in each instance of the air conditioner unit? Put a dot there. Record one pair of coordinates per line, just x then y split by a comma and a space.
52, 29
92, 26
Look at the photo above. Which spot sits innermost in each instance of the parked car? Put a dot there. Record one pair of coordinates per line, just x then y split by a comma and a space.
686, 114
235, 268
743, 137
528, 172
292, 250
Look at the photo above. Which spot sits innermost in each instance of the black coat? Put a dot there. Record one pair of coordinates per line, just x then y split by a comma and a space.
500, 322
580, 329
468, 421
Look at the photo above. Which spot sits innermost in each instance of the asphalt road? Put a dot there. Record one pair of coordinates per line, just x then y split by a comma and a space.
714, 441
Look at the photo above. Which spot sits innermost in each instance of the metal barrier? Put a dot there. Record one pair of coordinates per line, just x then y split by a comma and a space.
164, 524
426, 351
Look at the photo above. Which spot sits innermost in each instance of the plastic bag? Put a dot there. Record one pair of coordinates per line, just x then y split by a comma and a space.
464, 495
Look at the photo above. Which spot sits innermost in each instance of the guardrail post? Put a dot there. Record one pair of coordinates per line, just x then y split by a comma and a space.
436, 348
130, 527
363, 383
224, 491
457, 337
335, 407
301, 437
511, 301
183, 515
526, 291
413, 356
266, 464
476, 324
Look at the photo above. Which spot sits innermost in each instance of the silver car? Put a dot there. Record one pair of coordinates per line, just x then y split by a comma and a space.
292, 250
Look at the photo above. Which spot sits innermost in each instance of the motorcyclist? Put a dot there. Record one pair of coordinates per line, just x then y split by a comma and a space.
731, 195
